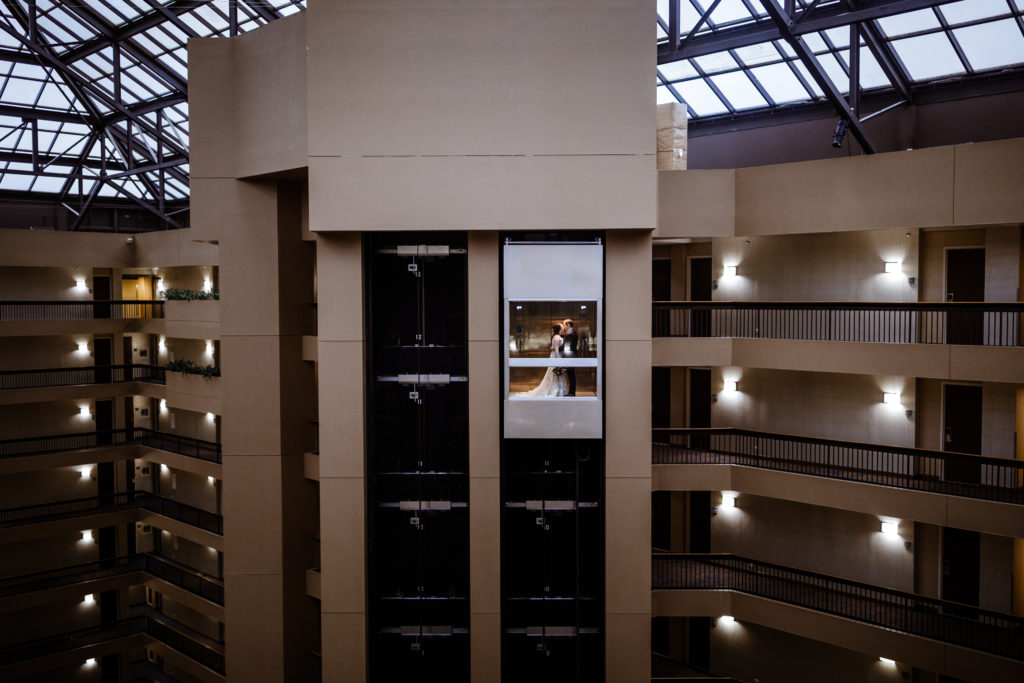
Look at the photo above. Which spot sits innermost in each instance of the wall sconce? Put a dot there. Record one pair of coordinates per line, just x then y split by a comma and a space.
162, 344
891, 528
893, 267
209, 347
89, 599
210, 480
160, 288
164, 468
85, 473
83, 347
887, 661
163, 405
729, 271
210, 417
87, 536
83, 411
891, 398
728, 500
725, 620
80, 284
207, 284
90, 662
729, 386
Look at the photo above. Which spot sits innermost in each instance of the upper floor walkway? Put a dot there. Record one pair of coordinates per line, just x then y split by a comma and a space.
937, 487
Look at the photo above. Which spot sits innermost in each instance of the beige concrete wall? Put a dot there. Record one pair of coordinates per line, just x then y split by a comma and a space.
49, 284
836, 406
440, 133
186, 551
56, 351
44, 552
988, 182
696, 204
484, 458
342, 450
188, 488
50, 248
998, 418
171, 249
47, 486
819, 539
846, 266
247, 105
25, 420
627, 456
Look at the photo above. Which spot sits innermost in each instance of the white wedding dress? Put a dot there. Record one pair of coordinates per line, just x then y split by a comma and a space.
553, 384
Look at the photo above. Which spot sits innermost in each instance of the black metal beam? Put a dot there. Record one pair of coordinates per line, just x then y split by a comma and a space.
131, 28
887, 61
806, 55
805, 22
263, 10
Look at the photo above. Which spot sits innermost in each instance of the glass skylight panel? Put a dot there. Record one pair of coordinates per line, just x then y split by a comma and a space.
815, 42
781, 84
871, 74
909, 22
738, 89
16, 181
48, 184
753, 55
840, 37
714, 63
929, 56
52, 97
664, 95
701, 98
660, 32
992, 45
675, 71
726, 12
213, 18
19, 91
969, 10
815, 88
835, 72
787, 49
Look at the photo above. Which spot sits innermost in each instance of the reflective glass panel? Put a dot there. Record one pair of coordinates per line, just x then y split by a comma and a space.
992, 45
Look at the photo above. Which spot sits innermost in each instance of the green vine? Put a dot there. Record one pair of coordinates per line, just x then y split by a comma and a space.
177, 294
187, 367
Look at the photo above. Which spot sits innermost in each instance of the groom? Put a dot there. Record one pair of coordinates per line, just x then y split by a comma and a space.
569, 340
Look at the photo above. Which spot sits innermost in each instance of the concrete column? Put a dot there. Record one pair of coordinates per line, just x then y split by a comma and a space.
269, 522
627, 363
340, 363
484, 460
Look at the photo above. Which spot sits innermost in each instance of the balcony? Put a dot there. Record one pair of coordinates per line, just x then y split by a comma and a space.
940, 636
174, 573
951, 489
941, 340
55, 384
63, 317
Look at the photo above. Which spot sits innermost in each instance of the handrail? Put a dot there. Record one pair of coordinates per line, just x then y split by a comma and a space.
89, 374
970, 323
135, 436
160, 629
956, 474
160, 567
112, 502
950, 622
80, 310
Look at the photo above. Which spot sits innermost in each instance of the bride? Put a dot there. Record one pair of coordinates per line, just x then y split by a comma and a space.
554, 382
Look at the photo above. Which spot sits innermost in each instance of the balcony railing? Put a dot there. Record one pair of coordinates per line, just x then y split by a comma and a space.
172, 572
979, 324
954, 474
113, 502
137, 436
949, 622
159, 628
80, 310
94, 374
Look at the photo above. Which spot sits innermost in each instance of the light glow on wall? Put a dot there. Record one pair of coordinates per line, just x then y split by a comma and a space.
83, 347
887, 661
163, 405
891, 528
207, 284
729, 271
893, 267
91, 662
80, 283
210, 480
728, 500
210, 417
729, 386
83, 411
209, 347
89, 599
85, 473
87, 536
891, 398
162, 344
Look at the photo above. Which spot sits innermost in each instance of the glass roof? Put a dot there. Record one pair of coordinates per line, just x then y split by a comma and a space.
93, 93
943, 41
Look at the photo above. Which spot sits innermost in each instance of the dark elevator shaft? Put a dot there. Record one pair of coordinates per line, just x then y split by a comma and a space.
417, 456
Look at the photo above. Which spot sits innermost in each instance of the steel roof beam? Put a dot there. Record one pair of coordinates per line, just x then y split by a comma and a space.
134, 27
766, 30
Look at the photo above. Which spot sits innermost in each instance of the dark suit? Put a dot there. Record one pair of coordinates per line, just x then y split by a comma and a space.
569, 342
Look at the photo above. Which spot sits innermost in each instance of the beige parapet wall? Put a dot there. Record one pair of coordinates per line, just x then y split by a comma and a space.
55, 249
959, 185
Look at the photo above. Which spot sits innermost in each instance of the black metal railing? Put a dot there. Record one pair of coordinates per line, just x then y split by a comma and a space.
136, 436
963, 625
160, 628
93, 374
112, 502
980, 324
955, 474
172, 572
80, 310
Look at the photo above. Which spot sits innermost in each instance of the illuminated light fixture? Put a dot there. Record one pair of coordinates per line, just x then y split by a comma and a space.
887, 661
519, 308
207, 284
726, 619
891, 398
730, 385
89, 599
163, 404
87, 536
162, 344
83, 347
892, 266
80, 283
160, 285
210, 417
85, 473
164, 468
729, 271
583, 308
209, 347
891, 528
84, 411
91, 661
210, 479
728, 501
